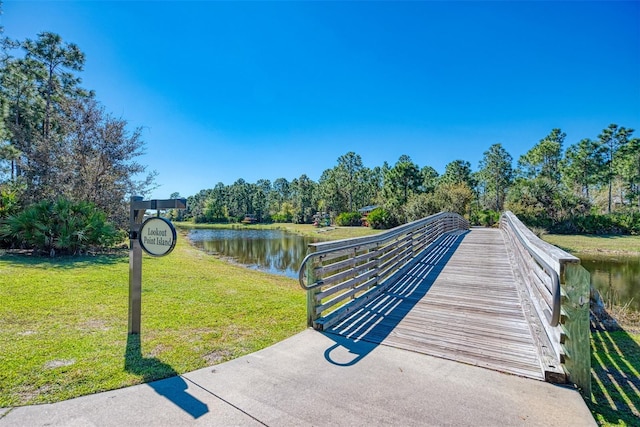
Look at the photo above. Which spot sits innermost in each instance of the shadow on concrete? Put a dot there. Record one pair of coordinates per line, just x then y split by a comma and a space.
363, 330
152, 369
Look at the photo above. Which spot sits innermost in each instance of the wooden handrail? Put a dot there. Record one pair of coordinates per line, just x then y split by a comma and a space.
542, 268
552, 312
335, 273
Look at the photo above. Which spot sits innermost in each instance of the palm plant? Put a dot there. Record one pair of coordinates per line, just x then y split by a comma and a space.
61, 226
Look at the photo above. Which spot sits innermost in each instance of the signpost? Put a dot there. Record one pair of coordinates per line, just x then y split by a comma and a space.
156, 236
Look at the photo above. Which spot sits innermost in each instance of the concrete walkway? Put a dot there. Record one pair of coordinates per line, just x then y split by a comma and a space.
322, 380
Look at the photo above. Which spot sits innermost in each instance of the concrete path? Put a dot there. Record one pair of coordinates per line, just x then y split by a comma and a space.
322, 380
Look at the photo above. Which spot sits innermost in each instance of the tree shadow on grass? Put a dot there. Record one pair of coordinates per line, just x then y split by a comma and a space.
615, 372
29, 258
152, 369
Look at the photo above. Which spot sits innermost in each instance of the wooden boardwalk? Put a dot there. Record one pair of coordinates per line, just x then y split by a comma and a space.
459, 302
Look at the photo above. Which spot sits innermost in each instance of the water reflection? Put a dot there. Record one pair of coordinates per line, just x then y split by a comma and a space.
273, 251
616, 277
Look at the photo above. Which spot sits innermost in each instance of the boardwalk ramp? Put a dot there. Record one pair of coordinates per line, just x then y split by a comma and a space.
458, 301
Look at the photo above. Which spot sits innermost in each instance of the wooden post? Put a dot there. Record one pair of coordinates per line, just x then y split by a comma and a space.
312, 316
577, 343
137, 208
135, 266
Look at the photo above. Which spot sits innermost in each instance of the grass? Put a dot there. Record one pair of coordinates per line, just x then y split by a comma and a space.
595, 244
615, 373
324, 233
63, 322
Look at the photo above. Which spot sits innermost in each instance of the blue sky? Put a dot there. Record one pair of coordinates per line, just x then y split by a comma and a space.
228, 90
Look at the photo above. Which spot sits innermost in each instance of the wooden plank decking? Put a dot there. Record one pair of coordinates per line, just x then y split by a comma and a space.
459, 302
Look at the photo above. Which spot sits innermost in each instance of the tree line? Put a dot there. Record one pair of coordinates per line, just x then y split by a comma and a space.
61, 150
592, 185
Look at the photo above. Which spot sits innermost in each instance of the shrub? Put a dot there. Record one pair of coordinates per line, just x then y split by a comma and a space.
303, 216
488, 217
615, 223
61, 226
282, 217
346, 219
539, 232
628, 221
380, 218
421, 205
9, 200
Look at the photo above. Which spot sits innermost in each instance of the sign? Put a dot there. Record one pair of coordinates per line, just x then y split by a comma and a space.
157, 236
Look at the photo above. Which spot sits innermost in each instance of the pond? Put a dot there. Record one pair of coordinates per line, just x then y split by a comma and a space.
616, 277
273, 251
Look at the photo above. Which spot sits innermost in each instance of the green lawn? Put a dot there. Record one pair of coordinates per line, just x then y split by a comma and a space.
615, 378
63, 322
325, 233
595, 244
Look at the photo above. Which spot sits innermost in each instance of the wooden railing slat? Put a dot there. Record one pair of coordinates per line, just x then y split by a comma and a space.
351, 263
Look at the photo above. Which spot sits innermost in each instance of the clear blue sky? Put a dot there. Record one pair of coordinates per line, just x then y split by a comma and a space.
278, 89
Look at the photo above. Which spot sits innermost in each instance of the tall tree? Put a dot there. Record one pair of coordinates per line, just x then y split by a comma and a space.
331, 194
349, 173
458, 172
372, 183
214, 204
57, 59
543, 160
23, 107
281, 193
262, 191
613, 139
401, 181
37, 90
496, 173
100, 163
429, 179
303, 189
240, 199
630, 168
583, 164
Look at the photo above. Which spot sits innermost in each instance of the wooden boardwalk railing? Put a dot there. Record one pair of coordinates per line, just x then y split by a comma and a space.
559, 289
342, 275
499, 299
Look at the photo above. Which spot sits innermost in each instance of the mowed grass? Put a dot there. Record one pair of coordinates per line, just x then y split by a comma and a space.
323, 233
595, 244
615, 378
63, 322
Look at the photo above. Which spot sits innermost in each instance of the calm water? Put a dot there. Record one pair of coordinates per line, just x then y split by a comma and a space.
273, 251
616, 277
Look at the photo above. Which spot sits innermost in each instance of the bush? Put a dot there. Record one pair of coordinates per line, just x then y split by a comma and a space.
9, 200
61, 226
303, 216
282, 217
615, 223
488, 218
380, 218
421, 205
628, 221
347, 219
